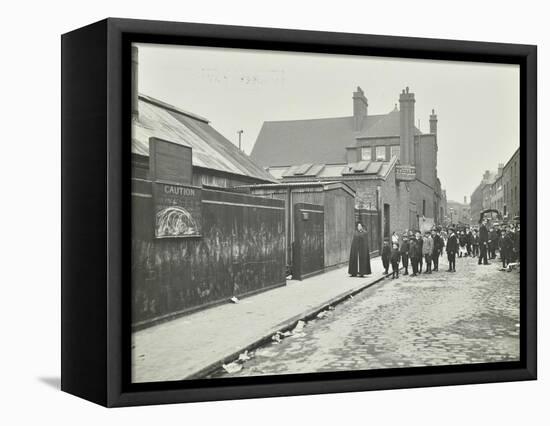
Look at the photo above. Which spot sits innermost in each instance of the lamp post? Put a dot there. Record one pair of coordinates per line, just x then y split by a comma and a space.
240, 132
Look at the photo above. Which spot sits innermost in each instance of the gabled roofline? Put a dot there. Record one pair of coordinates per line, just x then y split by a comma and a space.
510, 159
350, 117
172, 108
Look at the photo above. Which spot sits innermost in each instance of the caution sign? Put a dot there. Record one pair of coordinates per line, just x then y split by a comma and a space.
178, 210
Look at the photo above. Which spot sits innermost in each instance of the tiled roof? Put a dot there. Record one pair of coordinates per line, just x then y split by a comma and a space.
211, 150
324, 140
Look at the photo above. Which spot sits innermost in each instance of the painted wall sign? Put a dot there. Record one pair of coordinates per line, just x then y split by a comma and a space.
405, 173
170, 161
178, 210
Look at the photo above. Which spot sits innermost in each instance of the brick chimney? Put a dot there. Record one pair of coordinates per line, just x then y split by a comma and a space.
500, 169
360, 109
433, 123
406, 120
134, 81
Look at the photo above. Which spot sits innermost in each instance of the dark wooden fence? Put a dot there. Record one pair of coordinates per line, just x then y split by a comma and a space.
339, 227
309, 240
241, 252
371, 221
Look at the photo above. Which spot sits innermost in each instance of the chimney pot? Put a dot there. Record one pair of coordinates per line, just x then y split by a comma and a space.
433, 122
406, 121
360, 108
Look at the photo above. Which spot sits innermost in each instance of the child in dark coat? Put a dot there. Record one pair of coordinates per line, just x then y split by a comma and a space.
386, 257
395, 256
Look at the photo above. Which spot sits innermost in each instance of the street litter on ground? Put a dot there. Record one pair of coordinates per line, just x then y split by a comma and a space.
244, 356
232, 367
299, 326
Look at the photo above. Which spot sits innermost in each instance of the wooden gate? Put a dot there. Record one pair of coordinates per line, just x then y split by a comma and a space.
371, 221
308, 253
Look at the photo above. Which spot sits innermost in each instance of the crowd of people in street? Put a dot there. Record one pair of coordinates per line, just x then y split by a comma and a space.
420, 251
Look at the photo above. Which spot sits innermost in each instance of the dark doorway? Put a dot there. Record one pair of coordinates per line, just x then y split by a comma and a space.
308, 252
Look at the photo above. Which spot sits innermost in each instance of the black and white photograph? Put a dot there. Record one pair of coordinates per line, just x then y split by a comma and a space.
300, 212
275, 212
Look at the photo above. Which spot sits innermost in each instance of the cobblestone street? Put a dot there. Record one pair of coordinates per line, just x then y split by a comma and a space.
471, 316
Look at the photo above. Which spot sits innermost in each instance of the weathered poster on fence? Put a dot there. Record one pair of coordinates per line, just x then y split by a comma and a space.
177, 210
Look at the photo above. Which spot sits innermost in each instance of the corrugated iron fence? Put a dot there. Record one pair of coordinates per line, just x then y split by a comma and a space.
241, 252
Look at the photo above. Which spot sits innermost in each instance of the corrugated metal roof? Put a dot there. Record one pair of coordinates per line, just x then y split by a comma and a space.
211, 150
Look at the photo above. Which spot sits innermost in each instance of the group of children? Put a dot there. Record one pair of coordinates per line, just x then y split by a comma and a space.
391, 255
415, 248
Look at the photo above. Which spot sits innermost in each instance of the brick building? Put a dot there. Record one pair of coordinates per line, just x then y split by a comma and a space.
499, 190
511, 187
496, 192
481, 196
389, 163
459, 213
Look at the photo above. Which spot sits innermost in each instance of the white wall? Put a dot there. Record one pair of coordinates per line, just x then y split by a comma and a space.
30, 306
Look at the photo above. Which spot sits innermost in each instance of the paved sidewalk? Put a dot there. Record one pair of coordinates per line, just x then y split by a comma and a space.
194, 345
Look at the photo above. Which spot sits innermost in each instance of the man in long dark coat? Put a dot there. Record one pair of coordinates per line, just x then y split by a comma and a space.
452, 248
483, 243
415, 252
419, 245
359, 257
404, 250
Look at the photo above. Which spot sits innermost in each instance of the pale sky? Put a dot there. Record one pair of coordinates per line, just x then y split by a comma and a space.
477, 104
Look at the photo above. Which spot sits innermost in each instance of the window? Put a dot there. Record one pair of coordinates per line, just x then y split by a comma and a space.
366, 153
424, 208
380, 153
396, 150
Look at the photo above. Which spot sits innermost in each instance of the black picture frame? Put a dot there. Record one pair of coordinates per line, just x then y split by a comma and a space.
95, 191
